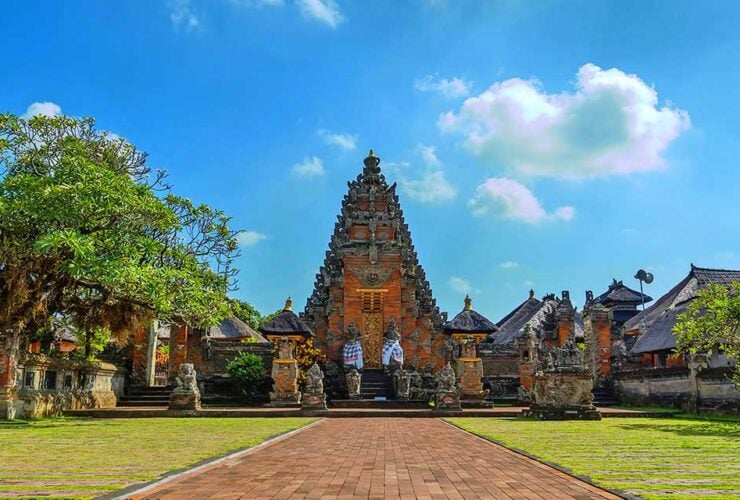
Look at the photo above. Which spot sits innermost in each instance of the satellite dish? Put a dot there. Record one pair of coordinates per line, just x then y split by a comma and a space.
645, 276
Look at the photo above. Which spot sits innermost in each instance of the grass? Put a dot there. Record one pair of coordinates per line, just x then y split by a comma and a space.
88, 457
676, 458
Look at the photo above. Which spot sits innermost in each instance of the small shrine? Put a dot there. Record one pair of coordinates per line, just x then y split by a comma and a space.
285, 330
466, 331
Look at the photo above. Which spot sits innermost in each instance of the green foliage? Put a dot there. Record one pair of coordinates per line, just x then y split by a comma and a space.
89, 232
712, 320
245, 312
306, 355
247, 373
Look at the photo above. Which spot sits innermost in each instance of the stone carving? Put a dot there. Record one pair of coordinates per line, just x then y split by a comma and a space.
354, 382
371, 276
285, 349
402, 379
314, 397
186, 395
392, 350
447, 396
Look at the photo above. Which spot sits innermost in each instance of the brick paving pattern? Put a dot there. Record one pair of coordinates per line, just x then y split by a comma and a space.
379, 458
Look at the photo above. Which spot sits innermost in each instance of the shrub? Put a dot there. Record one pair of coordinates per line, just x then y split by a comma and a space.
247, 373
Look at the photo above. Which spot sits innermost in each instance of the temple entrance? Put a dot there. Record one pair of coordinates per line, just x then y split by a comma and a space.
372, 327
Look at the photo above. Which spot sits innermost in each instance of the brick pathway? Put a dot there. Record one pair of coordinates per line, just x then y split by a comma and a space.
379, 458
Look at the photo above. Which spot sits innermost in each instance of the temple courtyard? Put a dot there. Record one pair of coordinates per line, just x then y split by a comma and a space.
675, 456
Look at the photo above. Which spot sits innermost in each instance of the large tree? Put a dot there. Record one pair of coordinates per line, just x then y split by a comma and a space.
89, 232
712, 320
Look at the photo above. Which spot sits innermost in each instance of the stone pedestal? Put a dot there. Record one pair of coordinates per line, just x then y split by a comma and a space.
563, 396
285, 383
447, 395
186, 395
447, 400
470, 377
314, 397
354, 384
185, 400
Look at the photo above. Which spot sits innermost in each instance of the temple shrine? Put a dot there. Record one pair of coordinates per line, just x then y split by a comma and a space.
371, 277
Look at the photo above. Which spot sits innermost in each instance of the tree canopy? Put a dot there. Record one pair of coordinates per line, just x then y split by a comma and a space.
246, 312
90, 232
712, 320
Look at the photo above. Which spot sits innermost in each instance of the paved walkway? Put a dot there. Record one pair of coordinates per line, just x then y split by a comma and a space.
379, 458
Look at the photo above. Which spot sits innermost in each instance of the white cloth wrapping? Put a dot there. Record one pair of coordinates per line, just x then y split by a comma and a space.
392, 350
352, 354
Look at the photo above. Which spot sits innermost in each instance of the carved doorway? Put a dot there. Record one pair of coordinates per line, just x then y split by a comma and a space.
372, 328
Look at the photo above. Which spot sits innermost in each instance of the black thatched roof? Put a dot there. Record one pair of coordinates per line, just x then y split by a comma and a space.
532, 312
657, 330
619, 293
470, 321
286, 323
234, 328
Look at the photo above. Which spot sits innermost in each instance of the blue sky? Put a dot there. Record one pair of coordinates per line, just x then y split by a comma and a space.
552, 145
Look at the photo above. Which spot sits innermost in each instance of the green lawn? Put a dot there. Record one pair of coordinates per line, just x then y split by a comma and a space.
89, 457
650, 457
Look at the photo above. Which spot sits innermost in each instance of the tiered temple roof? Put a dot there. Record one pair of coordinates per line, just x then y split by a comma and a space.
286, 323
656, 331
620, 294
470, 321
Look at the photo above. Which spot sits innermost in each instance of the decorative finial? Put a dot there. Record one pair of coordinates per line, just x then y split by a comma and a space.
468, 303
371, 154
288, 304
531, 294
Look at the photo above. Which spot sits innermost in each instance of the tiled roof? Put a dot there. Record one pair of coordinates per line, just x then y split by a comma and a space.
659, 319
619, 293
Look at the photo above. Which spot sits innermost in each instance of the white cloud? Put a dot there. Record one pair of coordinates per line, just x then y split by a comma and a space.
456, 87
183, 15
461, 285
516, 201
429, 156
310, 167
509, 264
42, 109
344, 141
528, 283
324, 11
429, 184
250, 238
610, 124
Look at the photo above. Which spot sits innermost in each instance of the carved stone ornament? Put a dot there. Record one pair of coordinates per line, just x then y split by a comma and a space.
186, 395
314, 397
371, 276
354, 382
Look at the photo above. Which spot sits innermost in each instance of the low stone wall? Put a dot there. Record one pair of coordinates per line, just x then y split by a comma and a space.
709, 391
46, 387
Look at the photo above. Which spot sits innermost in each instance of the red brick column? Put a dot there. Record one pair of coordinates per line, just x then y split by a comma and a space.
601, 330
8, 364
141, 341
178, 348
566, 317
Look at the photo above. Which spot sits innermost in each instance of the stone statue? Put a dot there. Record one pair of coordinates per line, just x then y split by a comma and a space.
352, 332
402, 384
314, 380
186, 380
447, 396
314, 397
446, 379
392, 350
354, 382
285, 349
352, 354
186, 395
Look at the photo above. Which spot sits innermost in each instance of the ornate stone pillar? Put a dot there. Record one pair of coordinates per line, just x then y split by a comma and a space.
8, 365
285, 376
151, 353
566, 318
597, 335
178, 349
470, 371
